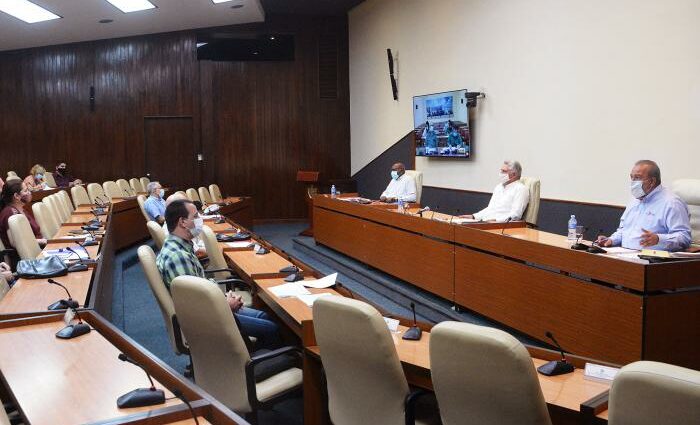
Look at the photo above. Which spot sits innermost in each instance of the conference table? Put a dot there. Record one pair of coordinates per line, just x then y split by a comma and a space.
612, 307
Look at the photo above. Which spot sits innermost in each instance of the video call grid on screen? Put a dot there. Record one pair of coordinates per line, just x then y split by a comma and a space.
441, 125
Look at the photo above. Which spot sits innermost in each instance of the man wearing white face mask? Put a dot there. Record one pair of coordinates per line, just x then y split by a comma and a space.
177, 258
655, 219
401, 186
155, 204
510, 196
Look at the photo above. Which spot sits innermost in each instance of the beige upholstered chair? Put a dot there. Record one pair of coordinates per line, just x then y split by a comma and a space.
204, 195
218, 262
45, 219
11, 174
124, 186
215, 193
96, 193
112, 190
6, 257
65, 197
22, 237
225, 368
652, 393
364, 386
80, 196
483, 375
192, 195
12, 178
4, 289
533, 206
4, 419
418, 178
50, 181
157, 233
142, 205
144, 182
136, 185
689, 191
57, 208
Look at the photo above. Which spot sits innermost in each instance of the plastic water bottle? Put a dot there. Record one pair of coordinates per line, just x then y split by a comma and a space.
334, 192
400, 205
571, 235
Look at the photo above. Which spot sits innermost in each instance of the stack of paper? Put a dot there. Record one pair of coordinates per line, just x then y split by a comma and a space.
291, 289
238, 244
324, 282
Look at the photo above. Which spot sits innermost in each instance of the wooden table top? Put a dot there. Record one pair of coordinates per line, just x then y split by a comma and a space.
35, 295
254, 265
296, 308
92, 250
82, 218
201, 420
68, 382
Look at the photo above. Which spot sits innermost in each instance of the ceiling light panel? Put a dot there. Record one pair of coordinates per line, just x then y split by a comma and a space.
26, 11
221, 1
128, 6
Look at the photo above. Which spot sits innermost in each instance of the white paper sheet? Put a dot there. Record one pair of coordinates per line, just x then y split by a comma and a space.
620, 250
324, 282
238, 244
465, 220
291, 289
309, 299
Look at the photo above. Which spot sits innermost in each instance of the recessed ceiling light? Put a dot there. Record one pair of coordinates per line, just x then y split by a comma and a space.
236, 6
256, 53
272, 37
106, 21
220, 1
201, 44
127, 6
26, 11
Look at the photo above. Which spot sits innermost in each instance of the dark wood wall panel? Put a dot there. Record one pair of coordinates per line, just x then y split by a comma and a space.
256, 123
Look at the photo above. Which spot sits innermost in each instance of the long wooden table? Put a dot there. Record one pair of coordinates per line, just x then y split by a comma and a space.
599, 306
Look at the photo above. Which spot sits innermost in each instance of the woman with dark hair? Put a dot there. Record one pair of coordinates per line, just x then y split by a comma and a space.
13, 198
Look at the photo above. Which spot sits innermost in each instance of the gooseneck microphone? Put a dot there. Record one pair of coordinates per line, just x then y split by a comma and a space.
580, 246
556, 367
414, 332
141, 396
62, 304
182, 397
422, 210
74, 330
503, 229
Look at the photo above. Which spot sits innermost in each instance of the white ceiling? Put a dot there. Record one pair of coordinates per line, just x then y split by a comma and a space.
80, 20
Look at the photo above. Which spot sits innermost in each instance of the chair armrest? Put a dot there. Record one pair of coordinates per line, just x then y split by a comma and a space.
232, 283
219, 270
274, 353
410, 405
177, 333
250, 374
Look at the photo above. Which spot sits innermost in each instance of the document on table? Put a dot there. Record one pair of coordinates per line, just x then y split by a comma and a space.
324, 282
238, 244
65, 254
291, 289
465, 220
309, 299
689, 255
620, 250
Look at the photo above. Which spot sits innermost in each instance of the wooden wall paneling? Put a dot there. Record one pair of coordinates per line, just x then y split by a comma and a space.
671, 333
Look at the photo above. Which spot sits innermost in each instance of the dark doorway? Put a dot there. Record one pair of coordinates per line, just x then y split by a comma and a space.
171, 151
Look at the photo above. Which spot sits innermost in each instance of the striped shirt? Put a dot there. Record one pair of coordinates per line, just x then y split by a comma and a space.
177, 258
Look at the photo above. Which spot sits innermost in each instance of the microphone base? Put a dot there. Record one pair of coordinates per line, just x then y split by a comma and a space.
556, 367
596, 250
294, 277
141, 397
580, 246
89, 243
63, 304
289, 269
72, 331
413, 333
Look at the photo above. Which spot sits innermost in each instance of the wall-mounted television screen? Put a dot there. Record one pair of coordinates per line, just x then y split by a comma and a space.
441, 125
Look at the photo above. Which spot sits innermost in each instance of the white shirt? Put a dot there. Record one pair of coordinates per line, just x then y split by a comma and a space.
509, 201
404, 187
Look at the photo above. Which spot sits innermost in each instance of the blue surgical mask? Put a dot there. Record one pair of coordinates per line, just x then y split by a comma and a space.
636, 189
161, 193
39, 176
394, 174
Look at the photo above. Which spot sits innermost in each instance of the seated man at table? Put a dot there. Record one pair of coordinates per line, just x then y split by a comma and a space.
63, 178
177, 258
656, 218
510, 197
155, 204
401, 186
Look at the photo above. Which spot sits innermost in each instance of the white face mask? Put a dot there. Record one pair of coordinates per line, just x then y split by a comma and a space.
394, 174
197, 229
636, 188
161, 193
503, 177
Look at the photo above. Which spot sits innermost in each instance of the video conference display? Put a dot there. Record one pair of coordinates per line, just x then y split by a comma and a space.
441, 123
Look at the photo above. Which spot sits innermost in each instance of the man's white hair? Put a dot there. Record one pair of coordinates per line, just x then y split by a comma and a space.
514, 166
151, 187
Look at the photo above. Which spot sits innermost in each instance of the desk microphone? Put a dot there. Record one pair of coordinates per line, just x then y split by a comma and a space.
422, 210
437, 208
141, 396
579, 246
62, 304
595, 248
414, 332
505, 225
182, 397
74, 330
82, 263
556, 367
452, 217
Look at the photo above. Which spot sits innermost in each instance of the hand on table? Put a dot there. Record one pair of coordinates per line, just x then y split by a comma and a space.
648, 238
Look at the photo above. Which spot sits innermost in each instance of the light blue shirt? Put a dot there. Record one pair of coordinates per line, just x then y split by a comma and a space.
154, 207
660, 212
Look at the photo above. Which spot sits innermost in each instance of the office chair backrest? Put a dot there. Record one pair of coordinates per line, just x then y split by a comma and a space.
532, 210
653, 393
214, 252
80, 196
148, 262
204, 195
22, 238
56, 208
157, 233
418, 178
4, 289
364, 385
12, 178
65, 198
483, 375
112, 190
124, 186
136, 185
215, 343
11, 174
50, 181
144, 182
95, 192
689, 191
45, 219
215, 193
142, 205
192, 195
